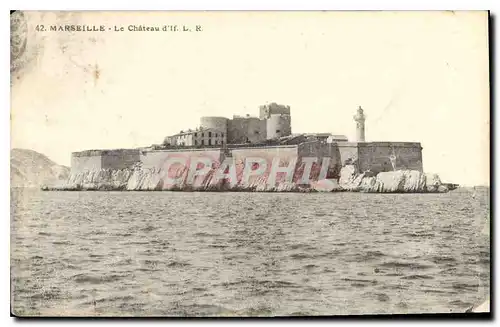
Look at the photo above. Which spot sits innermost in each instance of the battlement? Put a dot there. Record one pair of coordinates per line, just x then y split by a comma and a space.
110, 152
380, 144
104, 159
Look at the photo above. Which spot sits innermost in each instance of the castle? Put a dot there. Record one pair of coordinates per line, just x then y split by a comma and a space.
274, 122
267, 136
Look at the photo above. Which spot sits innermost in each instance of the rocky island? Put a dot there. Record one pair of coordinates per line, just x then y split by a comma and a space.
257, 154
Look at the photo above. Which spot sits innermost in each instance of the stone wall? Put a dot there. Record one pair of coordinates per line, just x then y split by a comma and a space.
278, 126
158, 159
217, 123
348, 152
169, 169
157, 171
91, 162
119, 159
241, 129
285, 155
322, 150
94, 160
376, 156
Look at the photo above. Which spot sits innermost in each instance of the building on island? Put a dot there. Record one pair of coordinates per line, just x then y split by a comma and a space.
268, 136
198, 137
274, 122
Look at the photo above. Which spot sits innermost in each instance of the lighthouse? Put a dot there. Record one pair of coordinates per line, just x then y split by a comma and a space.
359, 118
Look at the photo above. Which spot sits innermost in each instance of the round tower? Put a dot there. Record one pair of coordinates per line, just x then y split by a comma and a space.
218, 123
359, 118
278, 125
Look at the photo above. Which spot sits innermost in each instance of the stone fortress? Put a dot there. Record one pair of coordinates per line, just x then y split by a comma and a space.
257, 154
271, 132
273, 122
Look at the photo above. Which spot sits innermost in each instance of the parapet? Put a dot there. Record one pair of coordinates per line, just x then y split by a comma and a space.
391, 144
90, 153
273, 109
380, 144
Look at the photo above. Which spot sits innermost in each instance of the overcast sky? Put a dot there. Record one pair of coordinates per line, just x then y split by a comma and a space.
420, 76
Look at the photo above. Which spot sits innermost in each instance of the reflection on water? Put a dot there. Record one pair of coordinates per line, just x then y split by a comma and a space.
250, 254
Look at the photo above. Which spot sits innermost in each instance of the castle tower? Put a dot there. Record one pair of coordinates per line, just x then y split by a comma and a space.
278, 125
360, 125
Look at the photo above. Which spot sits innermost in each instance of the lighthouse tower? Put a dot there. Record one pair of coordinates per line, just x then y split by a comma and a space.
359, 118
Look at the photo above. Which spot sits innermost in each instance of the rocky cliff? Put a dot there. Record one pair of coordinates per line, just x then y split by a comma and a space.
139, 179
29, 168
400, 181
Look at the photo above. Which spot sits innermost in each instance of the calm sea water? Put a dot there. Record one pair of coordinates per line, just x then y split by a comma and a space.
248, 254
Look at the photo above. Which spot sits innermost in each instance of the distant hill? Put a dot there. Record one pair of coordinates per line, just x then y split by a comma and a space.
29, 168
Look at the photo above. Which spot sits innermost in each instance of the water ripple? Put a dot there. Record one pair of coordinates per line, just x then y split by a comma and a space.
248, 254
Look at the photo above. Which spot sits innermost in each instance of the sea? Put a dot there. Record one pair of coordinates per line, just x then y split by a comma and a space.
247, 254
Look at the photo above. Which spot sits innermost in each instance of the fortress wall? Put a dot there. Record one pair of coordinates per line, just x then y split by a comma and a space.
119, 159
241, 128
158, 159
278, 126
81, 162
256, 130
321, 150
235, 132
348, 152
409, 157
95, 160
376, 156
167, 169
198, 169
285, 154
218, 123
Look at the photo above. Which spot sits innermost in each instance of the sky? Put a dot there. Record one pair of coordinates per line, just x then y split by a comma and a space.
419, 76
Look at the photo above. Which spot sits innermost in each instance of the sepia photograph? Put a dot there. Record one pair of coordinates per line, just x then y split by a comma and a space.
250, 164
